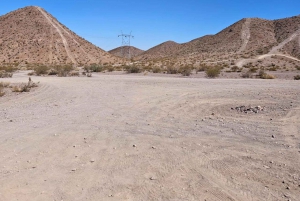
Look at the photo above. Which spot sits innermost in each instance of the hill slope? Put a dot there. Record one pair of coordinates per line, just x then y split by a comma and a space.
32, 35
247, 38
133, 51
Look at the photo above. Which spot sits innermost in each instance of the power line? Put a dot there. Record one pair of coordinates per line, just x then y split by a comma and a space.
125, 47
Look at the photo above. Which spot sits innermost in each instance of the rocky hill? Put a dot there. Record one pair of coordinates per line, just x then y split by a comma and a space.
247, 38
32, 35
121, 51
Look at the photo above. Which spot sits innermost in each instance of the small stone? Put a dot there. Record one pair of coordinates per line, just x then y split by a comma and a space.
153, 147
134, 145
288, 188
92, 160
10, 120
273, 136
152, 178
74, 169
110, 195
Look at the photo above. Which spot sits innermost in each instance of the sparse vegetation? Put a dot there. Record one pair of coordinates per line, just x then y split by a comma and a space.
24, 87
213, 72
2, 86
132, 69
172, 70
186, 70
297, 77
263, 75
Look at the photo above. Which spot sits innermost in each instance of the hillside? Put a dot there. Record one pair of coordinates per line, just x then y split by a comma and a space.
32, 35
121, 51
247, 38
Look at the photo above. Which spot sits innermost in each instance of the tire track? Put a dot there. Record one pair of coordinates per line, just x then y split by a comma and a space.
245, 35
66, 45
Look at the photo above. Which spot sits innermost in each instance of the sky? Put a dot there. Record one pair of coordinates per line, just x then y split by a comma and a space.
153, 22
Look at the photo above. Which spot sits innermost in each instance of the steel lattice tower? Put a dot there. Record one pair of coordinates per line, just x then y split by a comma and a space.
125, 48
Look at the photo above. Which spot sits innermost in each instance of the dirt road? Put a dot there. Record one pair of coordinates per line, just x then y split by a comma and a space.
128, 137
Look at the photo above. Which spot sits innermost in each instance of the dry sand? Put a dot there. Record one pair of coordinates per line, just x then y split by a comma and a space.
124, 137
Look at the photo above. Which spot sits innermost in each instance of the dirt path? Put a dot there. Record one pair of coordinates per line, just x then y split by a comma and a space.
274, 51
127, 137
245, 35
54, 24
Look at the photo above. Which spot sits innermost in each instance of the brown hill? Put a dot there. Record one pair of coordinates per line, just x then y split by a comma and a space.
32, 35
163, 50
121, 51
247, 38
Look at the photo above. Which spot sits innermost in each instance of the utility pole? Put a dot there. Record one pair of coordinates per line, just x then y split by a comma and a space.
125, 47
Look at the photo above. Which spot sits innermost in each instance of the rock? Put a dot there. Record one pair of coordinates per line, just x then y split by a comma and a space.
273, 136
10, 120
153, 147
74, 169
134, 145
92, 160
288, 188
152, 178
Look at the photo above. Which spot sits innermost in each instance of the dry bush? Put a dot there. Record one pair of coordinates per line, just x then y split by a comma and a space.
24, 87
74, 74
132, 69
94, 68
4, 74
156, 69
263, 75
213, 72
186, 70
2, 86
297, 77
248, 74
172, 70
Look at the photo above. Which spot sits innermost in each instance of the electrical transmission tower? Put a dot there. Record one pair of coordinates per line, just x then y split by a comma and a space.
125, 48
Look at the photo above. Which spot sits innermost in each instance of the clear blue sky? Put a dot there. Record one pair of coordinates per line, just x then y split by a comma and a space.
156, 21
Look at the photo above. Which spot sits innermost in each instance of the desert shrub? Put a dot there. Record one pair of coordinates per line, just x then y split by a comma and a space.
263, 75
213, 72
2, 86
24, 87
73, 74
298, 67
95, 68
247, 74
297, 77
110, 68
133, 69
186, 70
89, 74
4, 74
234, 68
9, 68
156, 69
52, 72
172, 70
253, 70
41, 70
201, 68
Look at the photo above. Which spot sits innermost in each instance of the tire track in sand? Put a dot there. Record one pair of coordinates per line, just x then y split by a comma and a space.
245, 35
67, 48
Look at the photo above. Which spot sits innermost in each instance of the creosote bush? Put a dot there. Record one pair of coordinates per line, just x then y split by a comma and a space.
213, 72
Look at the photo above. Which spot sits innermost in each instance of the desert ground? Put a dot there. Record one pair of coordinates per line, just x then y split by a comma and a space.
136, 137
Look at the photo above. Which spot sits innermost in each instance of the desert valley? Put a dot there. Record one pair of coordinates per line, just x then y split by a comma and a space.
213, 119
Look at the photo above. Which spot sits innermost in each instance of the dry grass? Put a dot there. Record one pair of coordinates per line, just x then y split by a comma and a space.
24, 87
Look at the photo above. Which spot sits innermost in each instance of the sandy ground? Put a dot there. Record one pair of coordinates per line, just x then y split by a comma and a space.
124, 137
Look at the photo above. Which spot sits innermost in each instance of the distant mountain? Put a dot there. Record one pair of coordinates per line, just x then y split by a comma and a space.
121, 51
163, 50
246, 38
32, 35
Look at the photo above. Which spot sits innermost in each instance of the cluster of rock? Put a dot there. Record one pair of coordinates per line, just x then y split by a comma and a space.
249, 109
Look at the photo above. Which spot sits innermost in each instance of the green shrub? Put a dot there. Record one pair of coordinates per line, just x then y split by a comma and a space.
41, 70
213, 72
